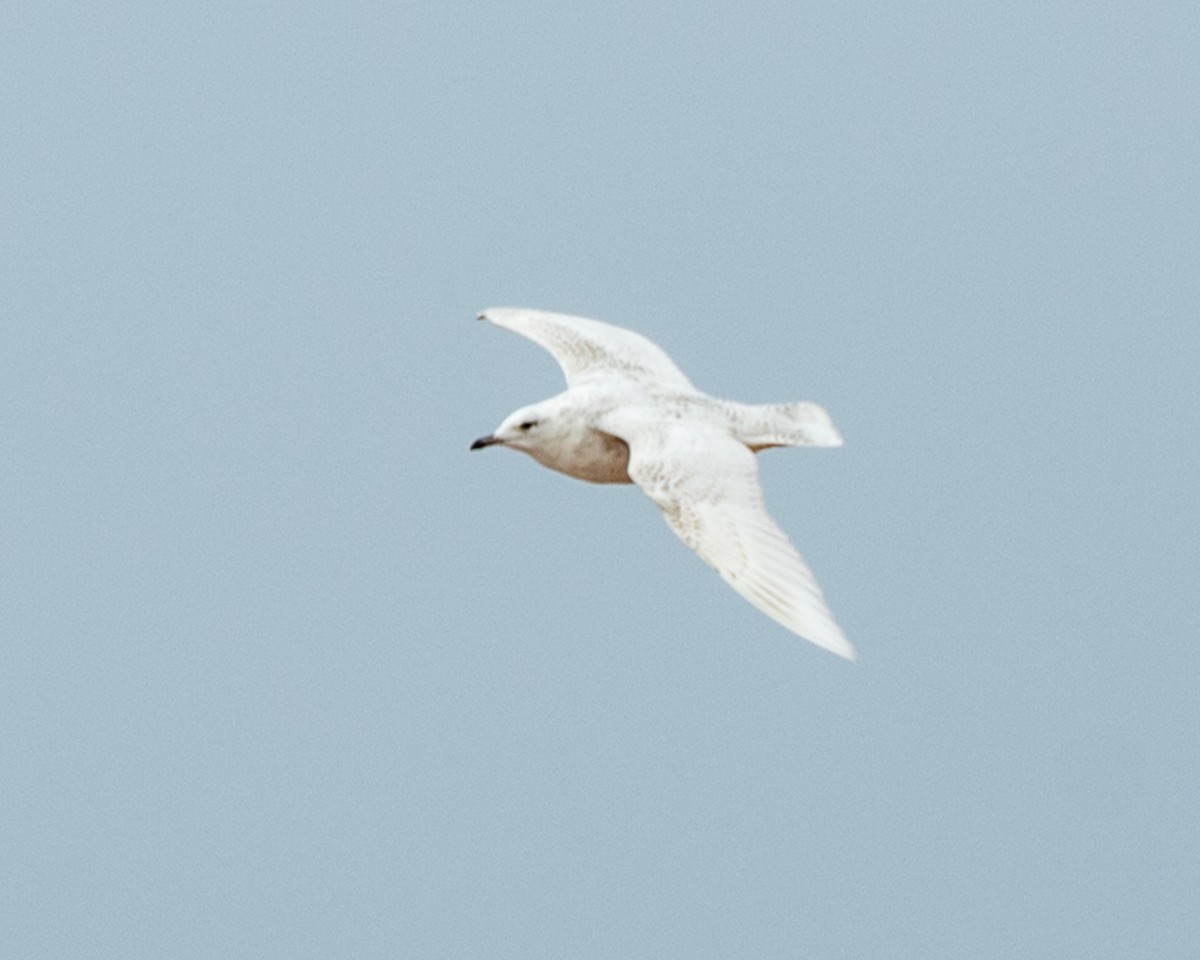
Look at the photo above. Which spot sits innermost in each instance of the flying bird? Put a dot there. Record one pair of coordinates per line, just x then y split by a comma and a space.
629, 415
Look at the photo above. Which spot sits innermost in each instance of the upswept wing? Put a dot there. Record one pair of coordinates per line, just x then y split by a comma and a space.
584, 348
706, 483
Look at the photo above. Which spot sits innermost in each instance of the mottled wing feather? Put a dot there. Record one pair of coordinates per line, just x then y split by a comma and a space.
585, 347
706, 483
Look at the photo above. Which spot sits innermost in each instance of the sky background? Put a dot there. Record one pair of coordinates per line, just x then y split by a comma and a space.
288, 673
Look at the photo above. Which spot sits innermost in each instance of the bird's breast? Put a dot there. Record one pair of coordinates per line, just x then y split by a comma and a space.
594, 456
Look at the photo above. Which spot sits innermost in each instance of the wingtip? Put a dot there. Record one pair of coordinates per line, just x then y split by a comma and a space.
840, 647
835, 642
497, 315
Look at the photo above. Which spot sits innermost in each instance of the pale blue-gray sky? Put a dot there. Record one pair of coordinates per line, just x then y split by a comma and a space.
288, 673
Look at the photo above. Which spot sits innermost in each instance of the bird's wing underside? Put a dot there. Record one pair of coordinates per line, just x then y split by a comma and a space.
706, 483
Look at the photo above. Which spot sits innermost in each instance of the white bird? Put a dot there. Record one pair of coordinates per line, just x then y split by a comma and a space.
629, 415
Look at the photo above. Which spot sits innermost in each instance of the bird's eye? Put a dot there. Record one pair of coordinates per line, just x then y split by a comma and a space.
528, 425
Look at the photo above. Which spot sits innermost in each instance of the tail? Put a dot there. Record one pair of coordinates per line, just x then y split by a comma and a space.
785, 425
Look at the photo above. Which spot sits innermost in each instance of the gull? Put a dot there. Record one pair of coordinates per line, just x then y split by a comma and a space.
629, 415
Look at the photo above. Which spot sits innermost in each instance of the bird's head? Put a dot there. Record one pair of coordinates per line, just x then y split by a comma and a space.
526, 430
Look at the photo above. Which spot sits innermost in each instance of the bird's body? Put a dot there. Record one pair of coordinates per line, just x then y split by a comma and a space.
629, 415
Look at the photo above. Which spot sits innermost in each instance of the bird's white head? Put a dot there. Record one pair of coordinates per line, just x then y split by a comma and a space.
528, 430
